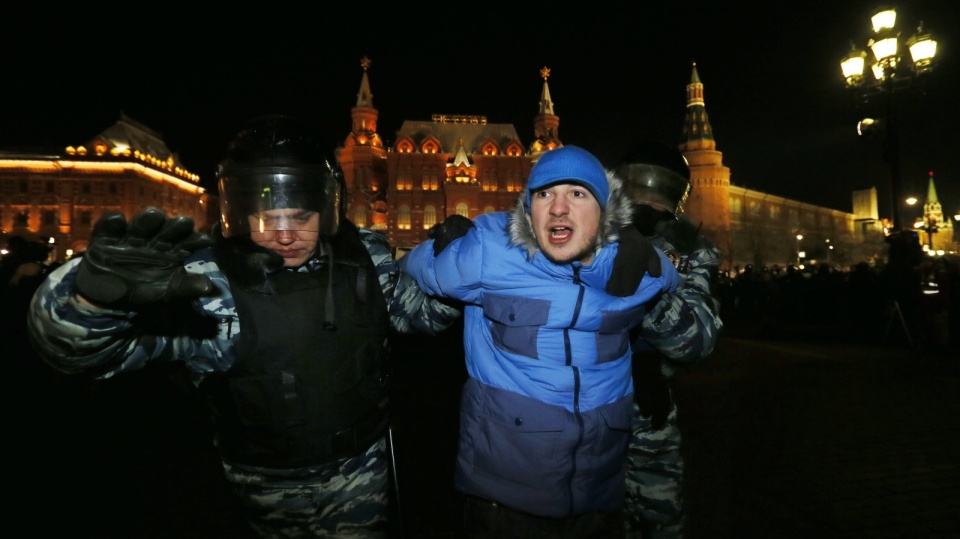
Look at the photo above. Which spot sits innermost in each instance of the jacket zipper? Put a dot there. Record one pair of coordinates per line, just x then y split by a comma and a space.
576, 388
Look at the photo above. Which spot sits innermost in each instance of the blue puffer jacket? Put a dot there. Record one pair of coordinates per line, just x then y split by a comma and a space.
545, 415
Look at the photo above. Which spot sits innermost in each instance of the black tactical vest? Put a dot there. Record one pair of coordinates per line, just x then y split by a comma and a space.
305, 390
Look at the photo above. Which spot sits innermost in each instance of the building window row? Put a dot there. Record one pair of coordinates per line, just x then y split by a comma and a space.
429, 182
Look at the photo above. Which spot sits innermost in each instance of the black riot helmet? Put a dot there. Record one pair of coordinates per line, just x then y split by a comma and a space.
656, 175
277, 162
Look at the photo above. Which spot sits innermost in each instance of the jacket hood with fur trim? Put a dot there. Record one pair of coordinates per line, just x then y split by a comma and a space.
616, 216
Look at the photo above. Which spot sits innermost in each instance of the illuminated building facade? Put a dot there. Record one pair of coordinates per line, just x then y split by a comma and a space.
463, 165
125, 168
450, 164
752, 227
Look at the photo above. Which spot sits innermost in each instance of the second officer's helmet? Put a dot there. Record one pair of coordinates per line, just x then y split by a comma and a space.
277, 162
656, 175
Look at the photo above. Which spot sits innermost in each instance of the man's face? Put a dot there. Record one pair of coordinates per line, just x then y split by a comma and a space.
566, 221
292, 233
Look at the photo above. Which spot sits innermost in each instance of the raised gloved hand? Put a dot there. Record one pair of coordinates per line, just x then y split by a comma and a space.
451, 228
635, 256
650, 388
136, 264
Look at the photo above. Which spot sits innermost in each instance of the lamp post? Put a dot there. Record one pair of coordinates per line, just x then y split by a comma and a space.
914, 217
799, 237
891, 70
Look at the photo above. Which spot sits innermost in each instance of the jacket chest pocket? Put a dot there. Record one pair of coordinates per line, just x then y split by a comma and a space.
516, 322
613, 338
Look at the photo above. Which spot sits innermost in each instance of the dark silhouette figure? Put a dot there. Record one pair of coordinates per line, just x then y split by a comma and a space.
22, 269
901, 285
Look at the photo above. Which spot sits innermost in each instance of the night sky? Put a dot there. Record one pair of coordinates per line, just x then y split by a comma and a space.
773, 89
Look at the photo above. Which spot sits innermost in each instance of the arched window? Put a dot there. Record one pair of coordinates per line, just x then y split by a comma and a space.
403, 217
404, 146
513, 149
463, 209
429, 216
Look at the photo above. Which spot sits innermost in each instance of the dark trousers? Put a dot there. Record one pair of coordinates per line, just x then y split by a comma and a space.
485, 519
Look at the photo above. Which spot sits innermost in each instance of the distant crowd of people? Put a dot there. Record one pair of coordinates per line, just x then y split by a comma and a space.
917, 305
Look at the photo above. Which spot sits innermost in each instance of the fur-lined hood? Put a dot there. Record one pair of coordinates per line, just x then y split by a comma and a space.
616, 216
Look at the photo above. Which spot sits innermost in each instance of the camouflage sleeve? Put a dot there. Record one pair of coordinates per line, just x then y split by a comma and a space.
411, 310
70, 335
75, 337
684, 325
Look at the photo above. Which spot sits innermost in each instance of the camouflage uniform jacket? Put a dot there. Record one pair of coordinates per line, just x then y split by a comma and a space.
74, 337
684, 325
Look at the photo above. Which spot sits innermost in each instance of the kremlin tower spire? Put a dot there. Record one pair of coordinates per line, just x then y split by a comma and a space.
546, 104
932, 210
364, 115
363, 159
696, 128
709, 201
545, 124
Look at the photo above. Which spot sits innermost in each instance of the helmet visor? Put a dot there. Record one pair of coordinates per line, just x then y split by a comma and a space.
655, 186
248, 198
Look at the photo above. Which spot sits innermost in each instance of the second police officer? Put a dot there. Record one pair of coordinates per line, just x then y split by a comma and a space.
682, 327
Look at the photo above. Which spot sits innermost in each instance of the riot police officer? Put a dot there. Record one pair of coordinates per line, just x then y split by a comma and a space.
681, 328
294, 303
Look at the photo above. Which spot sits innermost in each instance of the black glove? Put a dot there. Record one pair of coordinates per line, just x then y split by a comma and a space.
650, 388
129, 266
635, 256
451, 228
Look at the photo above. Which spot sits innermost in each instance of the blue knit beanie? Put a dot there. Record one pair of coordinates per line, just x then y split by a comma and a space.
569, 164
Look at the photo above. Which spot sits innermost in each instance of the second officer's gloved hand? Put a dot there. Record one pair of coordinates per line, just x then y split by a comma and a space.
635, 256
650, 388
136, 264
451, 228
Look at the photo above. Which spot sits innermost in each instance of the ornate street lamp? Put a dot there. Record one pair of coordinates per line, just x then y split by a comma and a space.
891, 70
